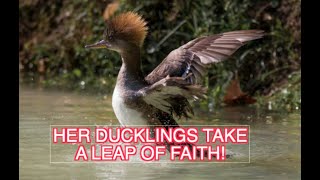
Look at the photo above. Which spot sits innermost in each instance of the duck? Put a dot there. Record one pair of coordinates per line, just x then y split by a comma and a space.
165, 94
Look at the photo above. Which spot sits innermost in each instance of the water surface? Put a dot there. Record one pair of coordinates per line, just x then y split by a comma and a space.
275, 141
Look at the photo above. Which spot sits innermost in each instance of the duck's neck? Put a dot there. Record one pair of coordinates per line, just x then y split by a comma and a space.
131, 65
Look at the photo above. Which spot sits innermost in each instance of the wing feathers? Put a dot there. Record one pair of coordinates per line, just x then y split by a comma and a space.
223, 50
206, 59
197, 76
202, 52
199, 67
190, 62
216, 54
161, 93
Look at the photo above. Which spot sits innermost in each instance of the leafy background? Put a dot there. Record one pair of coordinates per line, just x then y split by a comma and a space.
53, 34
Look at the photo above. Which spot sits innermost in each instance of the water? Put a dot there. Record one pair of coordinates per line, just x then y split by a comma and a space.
275, 141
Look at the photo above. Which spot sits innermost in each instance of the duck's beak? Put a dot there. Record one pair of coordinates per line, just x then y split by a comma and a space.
98, 45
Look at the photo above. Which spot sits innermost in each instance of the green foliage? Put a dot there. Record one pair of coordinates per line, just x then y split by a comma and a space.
56, 32
287, 98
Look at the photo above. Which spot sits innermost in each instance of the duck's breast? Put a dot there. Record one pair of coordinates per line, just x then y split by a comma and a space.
126, 115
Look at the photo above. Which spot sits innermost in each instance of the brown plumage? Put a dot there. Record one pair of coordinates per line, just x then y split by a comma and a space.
192, 60
167, 90
197, 55
178, 78
128, 26
110, 9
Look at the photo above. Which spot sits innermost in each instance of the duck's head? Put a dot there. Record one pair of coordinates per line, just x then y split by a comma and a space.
123, 31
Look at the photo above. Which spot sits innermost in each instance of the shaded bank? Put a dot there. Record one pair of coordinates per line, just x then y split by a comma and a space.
53, 35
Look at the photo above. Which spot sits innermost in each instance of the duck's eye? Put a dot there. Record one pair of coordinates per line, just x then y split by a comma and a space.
110, 37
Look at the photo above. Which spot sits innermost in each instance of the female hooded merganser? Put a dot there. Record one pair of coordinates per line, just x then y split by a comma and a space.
166, 91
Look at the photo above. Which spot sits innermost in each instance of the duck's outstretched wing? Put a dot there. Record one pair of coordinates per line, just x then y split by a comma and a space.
170, 95
180, 74
197, 55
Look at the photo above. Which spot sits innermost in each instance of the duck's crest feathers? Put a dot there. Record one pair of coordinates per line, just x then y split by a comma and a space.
128, 26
